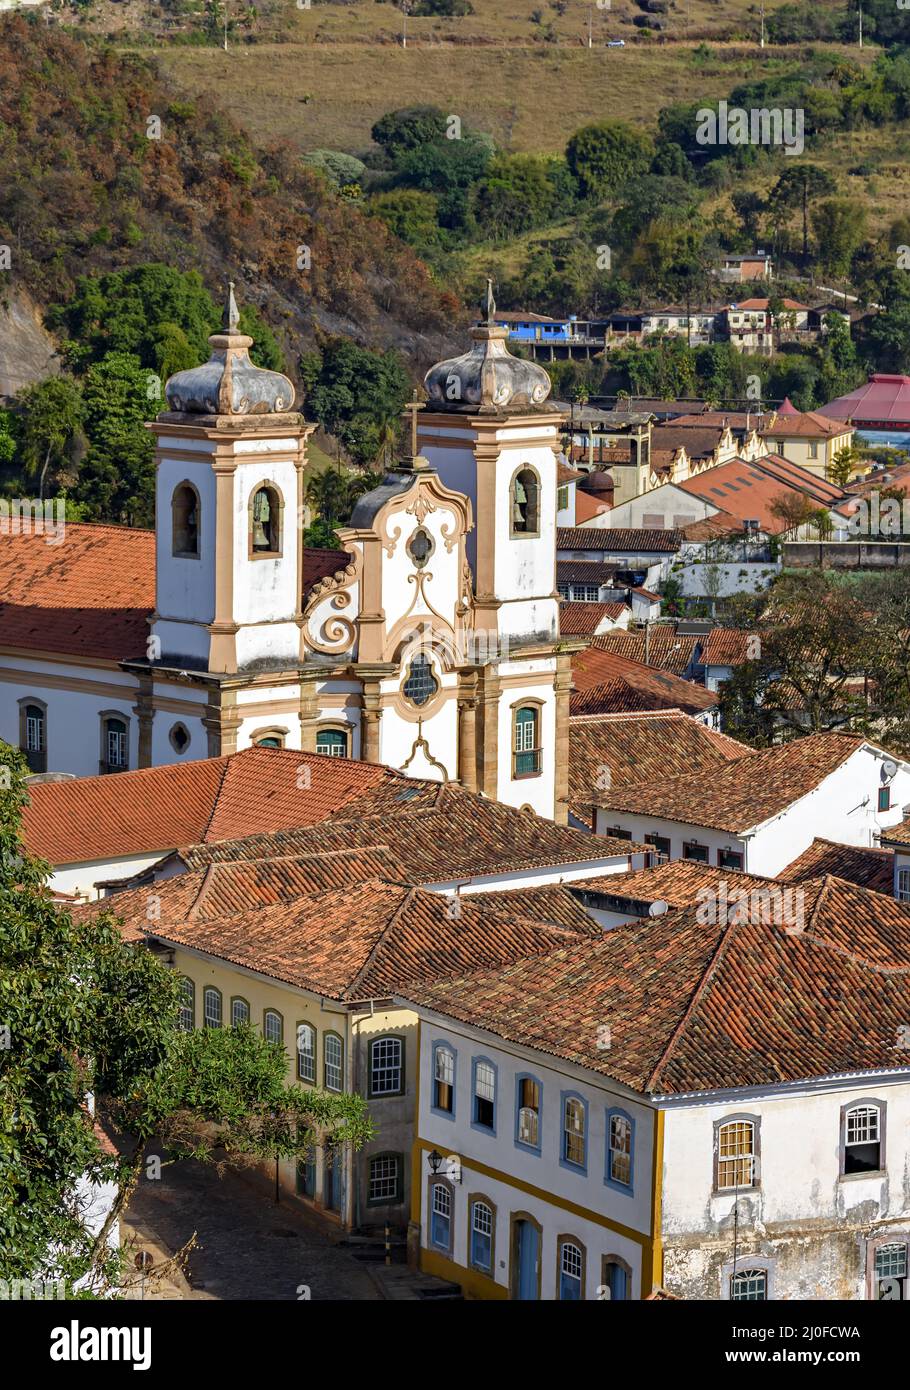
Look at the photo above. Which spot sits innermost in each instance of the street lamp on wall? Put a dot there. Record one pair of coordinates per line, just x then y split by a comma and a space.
435, 1160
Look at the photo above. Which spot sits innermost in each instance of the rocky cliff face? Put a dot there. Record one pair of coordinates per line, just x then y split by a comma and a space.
27, 350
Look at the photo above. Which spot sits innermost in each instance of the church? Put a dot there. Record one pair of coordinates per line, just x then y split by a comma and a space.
428, 643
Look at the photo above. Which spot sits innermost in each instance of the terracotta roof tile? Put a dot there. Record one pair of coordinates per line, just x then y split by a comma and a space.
744, 793
694, 1006
662, 647
367, 939
461, 837
583, 619
606, 683
635, 748
725, 646
90, 595
898, 834
157, 809
869, 868
622, 540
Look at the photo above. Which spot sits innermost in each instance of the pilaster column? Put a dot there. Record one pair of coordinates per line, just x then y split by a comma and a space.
144, 710
223, 629
371, 713
487, 725
309, 716
563, 689
467, 729
222, 721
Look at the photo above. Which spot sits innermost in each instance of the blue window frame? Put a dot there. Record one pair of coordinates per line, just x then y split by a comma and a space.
441, 1216
482, 1236
616, 1278
484, 1088
528, 1113
571, 1271
445, 1060
573, 1151
620, 1169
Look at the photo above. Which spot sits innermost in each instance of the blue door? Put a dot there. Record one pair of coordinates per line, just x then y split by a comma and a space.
333, 1181
528, 1260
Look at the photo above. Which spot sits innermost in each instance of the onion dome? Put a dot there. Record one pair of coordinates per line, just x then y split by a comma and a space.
229, 383
487, 379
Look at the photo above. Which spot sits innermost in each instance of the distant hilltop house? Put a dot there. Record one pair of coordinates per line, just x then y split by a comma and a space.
749, 326
754, 265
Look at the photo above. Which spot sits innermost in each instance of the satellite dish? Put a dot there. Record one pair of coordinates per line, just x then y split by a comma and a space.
889, 769
657, 909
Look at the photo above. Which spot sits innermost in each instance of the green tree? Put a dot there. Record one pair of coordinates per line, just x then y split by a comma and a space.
605, 155
52, 416
339, 168
84, 1011
839, 225
797, 188
412, 215
141, 311
516, 193
9, 437
352, 391
409, 128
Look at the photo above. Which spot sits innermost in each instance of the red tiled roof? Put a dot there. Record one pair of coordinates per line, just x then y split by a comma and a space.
698, 443
635, 748
90, 595
458, 835
676, 883
667, 650
237, 886
898, 834
606, 683
588, 506
367, 939
565, 474
158, 808
725, 646
885, 398
744, 793
583, 619
759, 305
694, 1007
622, 540
805, 425
320, 564
869, 868
746, 491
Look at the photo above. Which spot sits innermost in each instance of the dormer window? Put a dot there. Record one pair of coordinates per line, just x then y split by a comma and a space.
185, 515
265, 522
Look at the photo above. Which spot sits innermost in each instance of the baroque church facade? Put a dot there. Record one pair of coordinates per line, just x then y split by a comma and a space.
429, 643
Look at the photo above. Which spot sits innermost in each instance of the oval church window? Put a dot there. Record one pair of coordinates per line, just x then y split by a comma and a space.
420, 684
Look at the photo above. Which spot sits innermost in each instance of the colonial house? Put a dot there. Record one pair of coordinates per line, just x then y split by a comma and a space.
754, 265
429, 641
752, 326
807, 438
759, 812
642, 555
640, 1112
607, 683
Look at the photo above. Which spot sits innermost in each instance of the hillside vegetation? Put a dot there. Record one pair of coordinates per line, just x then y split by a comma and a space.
106, 165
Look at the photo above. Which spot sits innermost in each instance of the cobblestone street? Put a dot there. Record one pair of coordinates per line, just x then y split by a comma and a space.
247, 1248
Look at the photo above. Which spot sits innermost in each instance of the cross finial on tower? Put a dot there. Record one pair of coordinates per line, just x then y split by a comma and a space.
489, 303
230, 319
412, 408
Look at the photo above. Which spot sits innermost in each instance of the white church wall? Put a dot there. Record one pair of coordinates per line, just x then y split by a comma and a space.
457, 468
73, 723
265, 590
524, 568
185, 584
535, 685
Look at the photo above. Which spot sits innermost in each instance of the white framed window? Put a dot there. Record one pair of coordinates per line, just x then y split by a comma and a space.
273, 1026
186, 1012
441, 1216
484, 1094
386, 1066
571, 1271
444, 1080
334, 1062
891, 1271
482, 1236
34, 729
526, 741
735, 1155
306, 1052
332, 743
528, 1112
749, 1286
573, 1149
903, 885
620, 1156
862, 1139
240, 1012
211, 1007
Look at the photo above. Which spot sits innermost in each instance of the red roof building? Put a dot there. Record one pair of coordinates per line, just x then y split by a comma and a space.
882, 404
